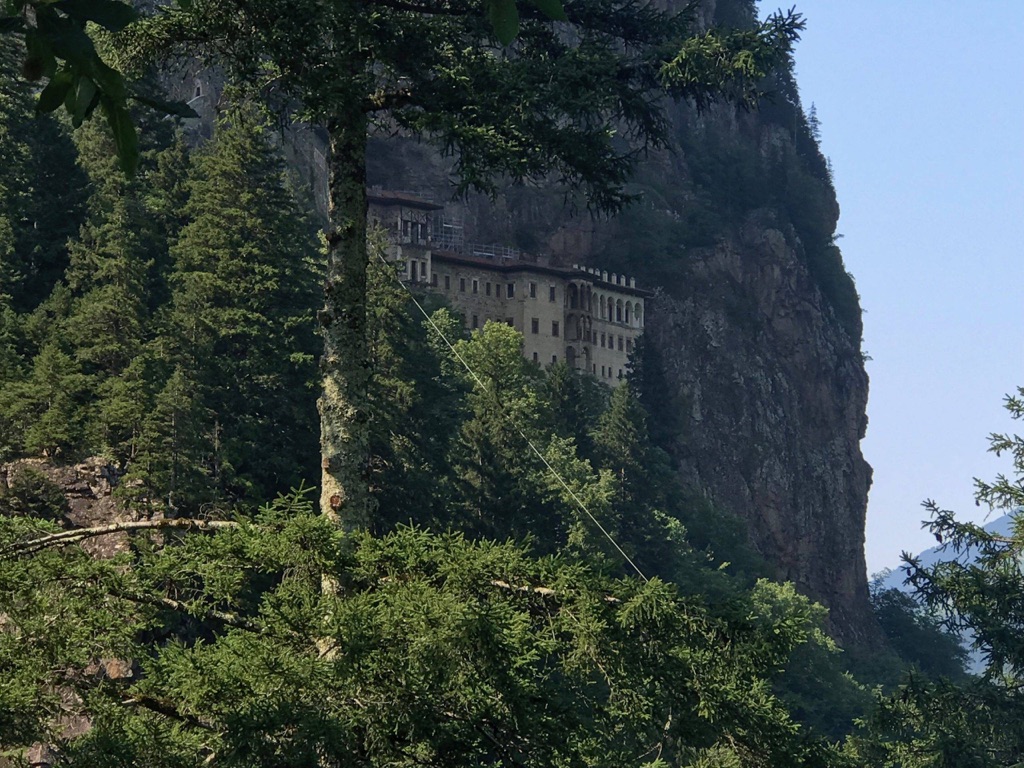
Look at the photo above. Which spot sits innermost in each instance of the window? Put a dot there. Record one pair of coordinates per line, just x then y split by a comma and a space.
554, 359
511, 290
462, 284
476, 286
535, 325
487, 287
535, 359
510, 322
620, 343
554, 327
433, 279
423, 271
551, 293
620, 373
447, 282
602, 371
629, 345
533, 290
602, 341
476, 321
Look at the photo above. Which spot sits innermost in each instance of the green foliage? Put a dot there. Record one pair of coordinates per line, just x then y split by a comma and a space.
437, 651
239, 326
975, 592
918, 635
41, 192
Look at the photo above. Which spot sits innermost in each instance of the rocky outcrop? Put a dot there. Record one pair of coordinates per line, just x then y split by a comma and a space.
86, 492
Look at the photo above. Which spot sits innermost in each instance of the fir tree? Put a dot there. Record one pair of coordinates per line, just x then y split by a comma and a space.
416, 410
47, 409
240, 322
42, 191
502, 485
574, 401
168, 471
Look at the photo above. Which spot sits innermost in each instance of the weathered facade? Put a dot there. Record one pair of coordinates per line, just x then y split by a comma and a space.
578, 314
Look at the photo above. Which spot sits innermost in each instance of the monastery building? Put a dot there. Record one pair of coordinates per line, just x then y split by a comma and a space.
578, 314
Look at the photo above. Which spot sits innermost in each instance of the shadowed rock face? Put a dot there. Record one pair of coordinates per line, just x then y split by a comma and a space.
770, 384
773, 394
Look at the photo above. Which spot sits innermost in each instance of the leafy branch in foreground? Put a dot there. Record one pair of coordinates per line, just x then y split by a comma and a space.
977, 591
209, 649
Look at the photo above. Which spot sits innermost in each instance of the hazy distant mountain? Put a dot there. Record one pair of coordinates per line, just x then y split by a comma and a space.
895, 577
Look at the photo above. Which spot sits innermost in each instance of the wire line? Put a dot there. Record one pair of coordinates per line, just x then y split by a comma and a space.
508, 418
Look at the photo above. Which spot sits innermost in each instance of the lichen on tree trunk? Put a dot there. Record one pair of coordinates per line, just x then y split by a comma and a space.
345, 367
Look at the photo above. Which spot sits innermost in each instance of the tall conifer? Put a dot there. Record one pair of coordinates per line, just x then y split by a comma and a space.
42, 191
240, 320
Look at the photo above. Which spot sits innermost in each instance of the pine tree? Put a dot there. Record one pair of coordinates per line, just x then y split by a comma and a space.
42, 191
167, 471
47, 409
417, 408
574, 402
240, 324
502, 485
107, 320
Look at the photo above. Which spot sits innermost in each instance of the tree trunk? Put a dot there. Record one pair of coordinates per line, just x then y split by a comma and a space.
345, 366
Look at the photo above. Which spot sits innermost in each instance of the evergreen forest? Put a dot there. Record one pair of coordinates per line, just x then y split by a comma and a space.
535, 588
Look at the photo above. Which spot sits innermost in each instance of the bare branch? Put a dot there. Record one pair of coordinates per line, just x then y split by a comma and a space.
169, 711
128, 526
542, 591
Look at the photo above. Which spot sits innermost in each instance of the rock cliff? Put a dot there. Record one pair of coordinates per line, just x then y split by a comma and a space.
756, 323
771, 397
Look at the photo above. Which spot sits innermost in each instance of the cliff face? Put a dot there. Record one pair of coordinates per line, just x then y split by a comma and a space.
770, 395
756, 324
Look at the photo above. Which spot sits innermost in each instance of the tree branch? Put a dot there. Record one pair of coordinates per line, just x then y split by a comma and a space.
169, 711
128, 526
231, 619
431, 10
542, 591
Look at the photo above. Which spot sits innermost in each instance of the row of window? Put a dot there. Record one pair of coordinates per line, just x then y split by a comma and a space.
607, 375
417, 271
607, 341
607, 372
489, 288
614, 311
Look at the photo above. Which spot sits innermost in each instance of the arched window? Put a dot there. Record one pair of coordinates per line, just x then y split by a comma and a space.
611, 309
629, 313
618, 311
638, 314
573, 296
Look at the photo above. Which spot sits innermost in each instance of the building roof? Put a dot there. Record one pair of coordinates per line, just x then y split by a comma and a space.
388, 198
509, 266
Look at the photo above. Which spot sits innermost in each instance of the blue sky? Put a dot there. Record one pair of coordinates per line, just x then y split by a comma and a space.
921, 104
